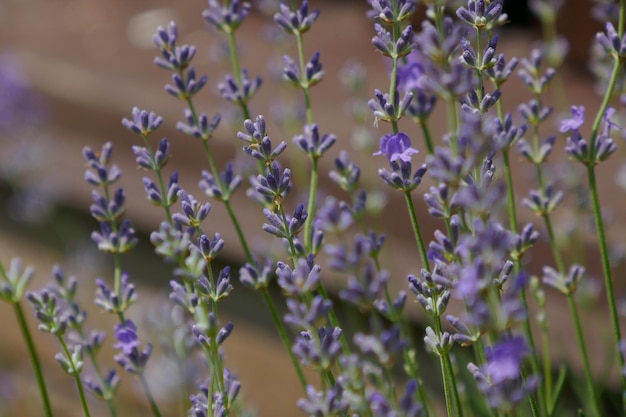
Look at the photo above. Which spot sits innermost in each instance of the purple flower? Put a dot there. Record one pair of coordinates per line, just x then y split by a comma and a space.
504, 360
410, 72
576, 121
396, 146
126, 336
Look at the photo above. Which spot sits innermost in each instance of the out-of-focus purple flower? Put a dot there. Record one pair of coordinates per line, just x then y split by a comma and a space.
256, 276
347, 174
297, 22
504, 360
320, 403
575, 122
501, 377
239, 93
363, 290
111, 302
389, 12
126, 336
19, 106
308, 317
228, 17
384, 42
396, 147
312, 143
410, 71
482, 16
320, 350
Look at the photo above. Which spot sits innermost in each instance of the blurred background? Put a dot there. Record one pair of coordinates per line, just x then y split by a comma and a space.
70, 70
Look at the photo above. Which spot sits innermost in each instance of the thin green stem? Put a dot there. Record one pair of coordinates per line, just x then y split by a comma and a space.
427, 138
308, 224
283, 337
606, 267
595, 200
303, 82
449, 380
510, 191
234, 57
76, 375
153, 406
416, 230
34, 358
595, 406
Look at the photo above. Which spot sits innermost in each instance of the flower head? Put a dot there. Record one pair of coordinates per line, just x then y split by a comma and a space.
396, 146
574, 122
126, 336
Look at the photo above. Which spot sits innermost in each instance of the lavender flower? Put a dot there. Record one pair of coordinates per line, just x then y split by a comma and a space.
226, 18
312, 144
111, 302
297, 22
384, 42
13, 282
303, 280
396, 147
310, 76
386, 110
130, 358
318, 351
256, 276
324, 404
387, 12
482, 14
500, 378
143, 122
239, 93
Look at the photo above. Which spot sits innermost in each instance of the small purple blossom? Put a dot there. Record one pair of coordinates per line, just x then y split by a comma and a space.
396, 147
126, 336
575, 122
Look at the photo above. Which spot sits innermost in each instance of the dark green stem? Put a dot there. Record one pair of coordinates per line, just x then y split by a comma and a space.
34, 358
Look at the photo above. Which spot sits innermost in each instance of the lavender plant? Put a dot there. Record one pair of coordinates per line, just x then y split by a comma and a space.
471, 279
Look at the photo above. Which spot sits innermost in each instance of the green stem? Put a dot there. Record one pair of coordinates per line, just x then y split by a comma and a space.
34, 358
606, 267
510, 191
427, 138
595, 200
153, 406
76, 375
303, 82
547, 368
284, 338
583, 353
234, 57
416, 230
308, 225
449, 380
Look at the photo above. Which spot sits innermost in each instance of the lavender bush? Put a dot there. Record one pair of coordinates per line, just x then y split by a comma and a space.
492, 360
